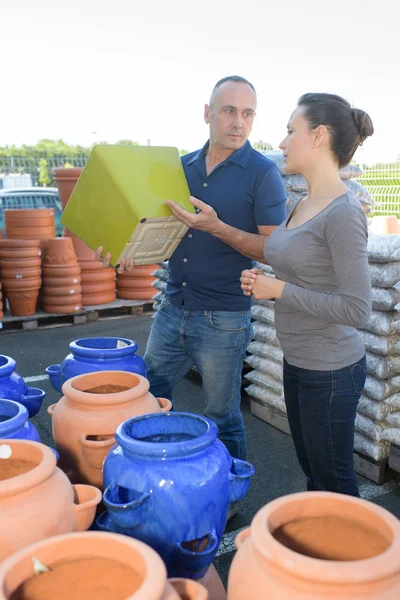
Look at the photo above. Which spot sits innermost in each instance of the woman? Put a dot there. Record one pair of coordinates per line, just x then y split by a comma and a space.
322, 290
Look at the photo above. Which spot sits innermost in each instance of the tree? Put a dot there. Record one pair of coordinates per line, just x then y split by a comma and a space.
44, 176
260, 145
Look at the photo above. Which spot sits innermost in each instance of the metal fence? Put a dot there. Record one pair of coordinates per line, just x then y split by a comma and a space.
383, 183
17, 164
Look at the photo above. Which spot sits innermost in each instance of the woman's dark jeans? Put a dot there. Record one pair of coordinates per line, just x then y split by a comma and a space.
321, 408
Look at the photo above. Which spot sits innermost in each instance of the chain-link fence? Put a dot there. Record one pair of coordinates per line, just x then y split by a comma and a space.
383, 183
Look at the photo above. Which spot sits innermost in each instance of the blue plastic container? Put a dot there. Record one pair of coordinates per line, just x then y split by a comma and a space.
13, 387
169, 483
14, 422
97, 354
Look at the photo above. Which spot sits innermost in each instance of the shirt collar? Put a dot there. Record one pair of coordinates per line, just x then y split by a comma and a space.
239, 157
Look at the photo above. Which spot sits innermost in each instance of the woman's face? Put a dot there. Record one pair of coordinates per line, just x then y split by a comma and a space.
298, 145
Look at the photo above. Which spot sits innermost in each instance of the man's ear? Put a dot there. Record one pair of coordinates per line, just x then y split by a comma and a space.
207, 113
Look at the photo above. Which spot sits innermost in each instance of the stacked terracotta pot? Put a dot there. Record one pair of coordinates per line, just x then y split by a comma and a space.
98, 284
137, 284
30, 224
1, 304
61, 271
20, 271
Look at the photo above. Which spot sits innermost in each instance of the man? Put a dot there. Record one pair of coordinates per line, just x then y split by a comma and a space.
204, 319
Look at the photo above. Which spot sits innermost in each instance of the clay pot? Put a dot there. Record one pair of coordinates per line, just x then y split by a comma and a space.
82, 250
99, 287
18, 273
66, 300
106, 567
61, 309
86, 417
98, 276
33, 486
15, 284
90, 265
136, 284
18, 244
22, 296
20, 254
17, 263
71, 281
33, 233
68, 290
66, 179
1, 303
60, 251
61, 270
100, 298
146, 294
16, 214
316, 545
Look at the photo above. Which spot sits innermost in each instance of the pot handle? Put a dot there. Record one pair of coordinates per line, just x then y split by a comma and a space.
242, 536
164, 404
87, 497
94, 450
203, 547
53, 371
239, 479
51, 409
127, 508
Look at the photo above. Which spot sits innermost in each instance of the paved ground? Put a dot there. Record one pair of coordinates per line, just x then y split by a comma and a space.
272, 453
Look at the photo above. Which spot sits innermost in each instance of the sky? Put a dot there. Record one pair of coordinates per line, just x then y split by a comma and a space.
87, 71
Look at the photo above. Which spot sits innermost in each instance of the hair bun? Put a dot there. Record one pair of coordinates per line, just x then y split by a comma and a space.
363, 122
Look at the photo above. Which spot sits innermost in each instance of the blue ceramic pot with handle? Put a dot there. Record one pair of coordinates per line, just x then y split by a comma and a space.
97, 354
169, 482
14, 422
13, 387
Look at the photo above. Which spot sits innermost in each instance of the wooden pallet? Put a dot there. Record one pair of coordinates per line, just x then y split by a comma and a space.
89, 314
378, 471
394, 458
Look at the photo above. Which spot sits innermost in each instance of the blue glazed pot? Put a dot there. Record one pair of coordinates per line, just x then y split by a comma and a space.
97, 354
13, 387
14, 422
169, 483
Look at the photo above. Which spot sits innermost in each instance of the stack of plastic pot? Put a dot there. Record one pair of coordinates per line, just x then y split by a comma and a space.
30, 224
98, 284
136, 284
20, 272
61, 270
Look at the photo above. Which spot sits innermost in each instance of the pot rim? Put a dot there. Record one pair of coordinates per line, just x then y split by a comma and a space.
72, 388
154, 578
35, 476
15, 421
81, 347
165, 422
8, 366
301, 504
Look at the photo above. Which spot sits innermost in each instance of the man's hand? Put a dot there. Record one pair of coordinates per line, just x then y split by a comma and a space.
206, 220
125, 265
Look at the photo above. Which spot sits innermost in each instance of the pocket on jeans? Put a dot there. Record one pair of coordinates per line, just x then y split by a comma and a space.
230, 322
358, 373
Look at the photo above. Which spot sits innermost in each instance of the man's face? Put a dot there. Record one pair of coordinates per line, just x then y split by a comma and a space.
231, 114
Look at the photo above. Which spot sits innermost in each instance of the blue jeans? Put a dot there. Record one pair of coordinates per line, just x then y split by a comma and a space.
215, 343
321, 408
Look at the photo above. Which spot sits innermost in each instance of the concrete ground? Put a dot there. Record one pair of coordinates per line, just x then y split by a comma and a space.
271, 452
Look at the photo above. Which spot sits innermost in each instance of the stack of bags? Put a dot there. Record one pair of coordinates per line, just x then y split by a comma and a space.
378, 418
160, 283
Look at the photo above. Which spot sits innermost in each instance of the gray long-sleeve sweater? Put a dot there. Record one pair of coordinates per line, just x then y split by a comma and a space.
328, 290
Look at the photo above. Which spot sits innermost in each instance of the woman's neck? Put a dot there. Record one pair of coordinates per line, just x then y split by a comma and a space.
324, 183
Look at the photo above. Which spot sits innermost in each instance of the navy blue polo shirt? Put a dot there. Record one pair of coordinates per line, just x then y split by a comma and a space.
246, 190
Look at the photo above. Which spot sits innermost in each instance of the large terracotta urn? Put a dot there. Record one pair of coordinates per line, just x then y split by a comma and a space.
66, 179
37, 500
92, 566
86, 417
315, 545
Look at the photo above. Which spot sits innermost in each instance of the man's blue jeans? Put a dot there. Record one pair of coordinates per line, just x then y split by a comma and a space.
321, 408
215, 343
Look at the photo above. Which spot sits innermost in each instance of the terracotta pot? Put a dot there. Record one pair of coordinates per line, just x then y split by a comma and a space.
41, 492
136, 294
14, 253
16, 214
71, 281
99, 287
28, 231
67, 290
1, 303
385, 225
13, 284
17, 263
61, 270
342, 548
18, 244
90, 265
62, 309
85, 419
60, 251
18, 273
140, 271
66, 300
95, 299
82, 250
66, 179
108, 567
95, 276
135, 283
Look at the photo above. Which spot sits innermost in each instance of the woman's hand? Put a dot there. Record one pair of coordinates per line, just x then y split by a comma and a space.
262, 287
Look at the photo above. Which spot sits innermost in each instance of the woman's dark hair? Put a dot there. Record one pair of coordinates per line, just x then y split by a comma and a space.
348, 126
